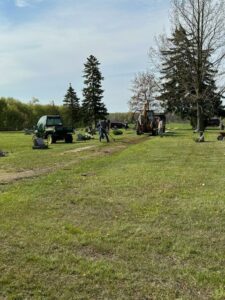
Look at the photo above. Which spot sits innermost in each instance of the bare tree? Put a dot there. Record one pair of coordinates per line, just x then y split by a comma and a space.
204, 23
144, 88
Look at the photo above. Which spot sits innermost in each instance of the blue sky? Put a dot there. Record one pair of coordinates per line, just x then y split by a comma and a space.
44, 44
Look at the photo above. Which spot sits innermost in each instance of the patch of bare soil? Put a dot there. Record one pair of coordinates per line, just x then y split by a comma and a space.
13, 176
78, 150
8, 177
111, 150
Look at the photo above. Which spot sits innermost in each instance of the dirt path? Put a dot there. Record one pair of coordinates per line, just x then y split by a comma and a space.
78, 149
8, 177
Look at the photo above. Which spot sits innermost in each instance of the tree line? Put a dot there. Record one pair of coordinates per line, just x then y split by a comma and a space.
15, 115
187, 66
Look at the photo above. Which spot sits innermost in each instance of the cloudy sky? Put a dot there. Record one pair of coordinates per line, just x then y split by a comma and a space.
44, 44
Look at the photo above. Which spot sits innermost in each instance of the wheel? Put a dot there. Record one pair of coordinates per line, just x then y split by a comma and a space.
51, 139
220, 138
69, 138
154, 132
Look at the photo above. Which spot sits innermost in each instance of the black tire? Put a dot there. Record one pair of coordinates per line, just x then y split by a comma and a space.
154, 132
220, 138
69, 139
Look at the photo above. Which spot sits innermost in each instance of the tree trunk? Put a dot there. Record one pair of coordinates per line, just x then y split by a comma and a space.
193, 121
200, 122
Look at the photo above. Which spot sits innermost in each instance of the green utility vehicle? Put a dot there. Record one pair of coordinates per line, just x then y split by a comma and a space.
51, 128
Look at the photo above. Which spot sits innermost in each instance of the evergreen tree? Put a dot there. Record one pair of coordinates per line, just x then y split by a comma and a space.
204, 51
93, 108
71, 103
179, 75
174, 71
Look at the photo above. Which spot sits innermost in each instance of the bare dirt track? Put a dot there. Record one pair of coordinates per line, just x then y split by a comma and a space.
8, 177
92, 151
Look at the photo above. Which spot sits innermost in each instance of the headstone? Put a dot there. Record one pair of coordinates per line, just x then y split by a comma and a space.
39, 143
2, 153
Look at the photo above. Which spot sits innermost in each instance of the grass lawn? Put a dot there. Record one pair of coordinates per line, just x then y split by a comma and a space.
138, 218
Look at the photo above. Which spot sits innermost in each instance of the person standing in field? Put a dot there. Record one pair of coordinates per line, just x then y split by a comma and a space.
160, 127
102, 127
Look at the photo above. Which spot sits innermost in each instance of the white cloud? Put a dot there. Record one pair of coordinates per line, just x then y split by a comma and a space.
25, 3
21, 3
41, 57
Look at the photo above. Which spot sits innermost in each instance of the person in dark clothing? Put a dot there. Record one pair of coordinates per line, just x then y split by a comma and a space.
102, 128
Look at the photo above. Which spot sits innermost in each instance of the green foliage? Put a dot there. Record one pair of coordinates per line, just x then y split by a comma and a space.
175, 71
127, 117
93, 108
117, 132
71, 103
180, 74
15, 115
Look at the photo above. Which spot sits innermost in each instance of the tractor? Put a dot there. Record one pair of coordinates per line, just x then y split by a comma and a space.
148, 121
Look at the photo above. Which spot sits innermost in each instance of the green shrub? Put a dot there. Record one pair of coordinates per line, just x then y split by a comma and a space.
117, 132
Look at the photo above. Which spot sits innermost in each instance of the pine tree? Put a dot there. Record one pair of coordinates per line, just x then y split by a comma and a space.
176, 86
179, 80
93, 108
71, 102
203, 23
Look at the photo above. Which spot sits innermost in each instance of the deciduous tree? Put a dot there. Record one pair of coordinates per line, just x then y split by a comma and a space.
144, 88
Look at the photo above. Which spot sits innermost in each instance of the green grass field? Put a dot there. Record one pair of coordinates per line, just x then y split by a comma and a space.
138, 218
